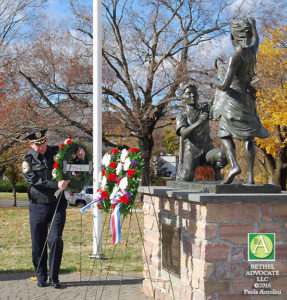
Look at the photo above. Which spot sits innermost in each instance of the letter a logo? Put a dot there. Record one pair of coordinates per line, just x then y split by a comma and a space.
261, 246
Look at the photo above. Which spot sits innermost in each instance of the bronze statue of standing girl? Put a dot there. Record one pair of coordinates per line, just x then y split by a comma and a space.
239, 118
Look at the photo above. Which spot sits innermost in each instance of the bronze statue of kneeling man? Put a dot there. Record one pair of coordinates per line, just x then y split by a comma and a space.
196, 148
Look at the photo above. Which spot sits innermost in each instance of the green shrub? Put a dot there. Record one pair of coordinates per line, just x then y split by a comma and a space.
21, 187
6, 187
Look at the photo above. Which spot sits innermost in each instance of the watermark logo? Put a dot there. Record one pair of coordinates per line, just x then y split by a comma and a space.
261, 246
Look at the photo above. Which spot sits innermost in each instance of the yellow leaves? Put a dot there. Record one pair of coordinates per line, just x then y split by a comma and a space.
272, 88
269, 144
33, 278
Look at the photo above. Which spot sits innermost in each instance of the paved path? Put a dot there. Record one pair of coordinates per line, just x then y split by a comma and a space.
19, 287
20, 203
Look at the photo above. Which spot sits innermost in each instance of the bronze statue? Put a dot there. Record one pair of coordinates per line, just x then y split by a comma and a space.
196, 148
235, 98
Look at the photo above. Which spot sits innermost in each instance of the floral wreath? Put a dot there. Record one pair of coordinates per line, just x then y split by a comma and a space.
67, 152
121, 173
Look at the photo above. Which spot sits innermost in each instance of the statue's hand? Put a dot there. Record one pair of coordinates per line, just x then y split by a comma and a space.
203, 116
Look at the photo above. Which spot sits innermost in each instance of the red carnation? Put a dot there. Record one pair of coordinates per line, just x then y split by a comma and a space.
112, 177
61, 145
69, 141
103, 172
125, 199
99, 206
113, 165
115, 151
55, 165
131, 172
134, 149
105, 195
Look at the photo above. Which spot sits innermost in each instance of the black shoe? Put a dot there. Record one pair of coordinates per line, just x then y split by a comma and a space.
55, 284
41, 283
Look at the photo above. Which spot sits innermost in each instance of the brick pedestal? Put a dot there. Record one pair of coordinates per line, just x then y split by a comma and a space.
213, 240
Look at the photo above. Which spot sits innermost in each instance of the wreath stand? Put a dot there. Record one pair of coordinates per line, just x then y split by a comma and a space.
105, 263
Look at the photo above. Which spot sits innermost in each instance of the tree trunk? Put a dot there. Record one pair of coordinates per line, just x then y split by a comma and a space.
146, 145
14, 195
279, 173
277, 167
279, 176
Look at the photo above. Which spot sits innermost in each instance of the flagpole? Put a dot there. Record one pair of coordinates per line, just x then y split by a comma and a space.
97, 123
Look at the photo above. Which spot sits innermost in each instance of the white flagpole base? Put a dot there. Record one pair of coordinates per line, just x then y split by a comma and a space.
96, 256
97, 232
97, 124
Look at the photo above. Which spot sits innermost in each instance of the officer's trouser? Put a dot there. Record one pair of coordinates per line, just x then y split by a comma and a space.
41, 216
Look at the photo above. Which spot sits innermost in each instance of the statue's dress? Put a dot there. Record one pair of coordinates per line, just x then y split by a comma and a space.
239, 118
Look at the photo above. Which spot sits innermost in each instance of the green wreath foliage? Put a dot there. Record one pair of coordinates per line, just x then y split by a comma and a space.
121, 174
67, 152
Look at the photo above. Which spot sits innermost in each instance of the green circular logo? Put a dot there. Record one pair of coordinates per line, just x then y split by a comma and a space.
261, 246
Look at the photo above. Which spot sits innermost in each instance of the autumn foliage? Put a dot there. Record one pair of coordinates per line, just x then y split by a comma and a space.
271, 101
204, 173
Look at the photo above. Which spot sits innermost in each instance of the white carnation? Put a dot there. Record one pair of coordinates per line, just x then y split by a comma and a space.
123, 183
114, 192
124, 154
127, 164
54, 173
104, 182
119, 168
106, 159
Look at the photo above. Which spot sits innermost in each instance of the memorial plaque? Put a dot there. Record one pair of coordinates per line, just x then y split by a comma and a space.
171, 249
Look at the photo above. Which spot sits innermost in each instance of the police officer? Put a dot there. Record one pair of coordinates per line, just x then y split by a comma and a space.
37, 168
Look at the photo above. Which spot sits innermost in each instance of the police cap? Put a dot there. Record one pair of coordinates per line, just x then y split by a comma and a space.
37, 136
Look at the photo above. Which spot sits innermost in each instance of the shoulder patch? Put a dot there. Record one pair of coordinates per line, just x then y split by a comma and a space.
25, 166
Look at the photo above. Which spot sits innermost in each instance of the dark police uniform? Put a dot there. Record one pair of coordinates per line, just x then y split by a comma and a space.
37, 171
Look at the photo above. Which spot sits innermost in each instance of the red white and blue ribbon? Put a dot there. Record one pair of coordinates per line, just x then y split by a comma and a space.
90, 204
116, 225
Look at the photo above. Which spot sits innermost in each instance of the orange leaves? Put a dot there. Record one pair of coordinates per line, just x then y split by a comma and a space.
204, 173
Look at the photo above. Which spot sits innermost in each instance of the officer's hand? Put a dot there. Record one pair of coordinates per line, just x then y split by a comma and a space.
63, 184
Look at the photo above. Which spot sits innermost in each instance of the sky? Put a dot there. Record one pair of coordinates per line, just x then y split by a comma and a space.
57, 10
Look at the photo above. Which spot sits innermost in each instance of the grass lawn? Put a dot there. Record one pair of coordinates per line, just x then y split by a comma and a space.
9, 196
15, 243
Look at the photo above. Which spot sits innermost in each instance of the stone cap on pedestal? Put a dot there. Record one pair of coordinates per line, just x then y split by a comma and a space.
204, 197
217, 188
